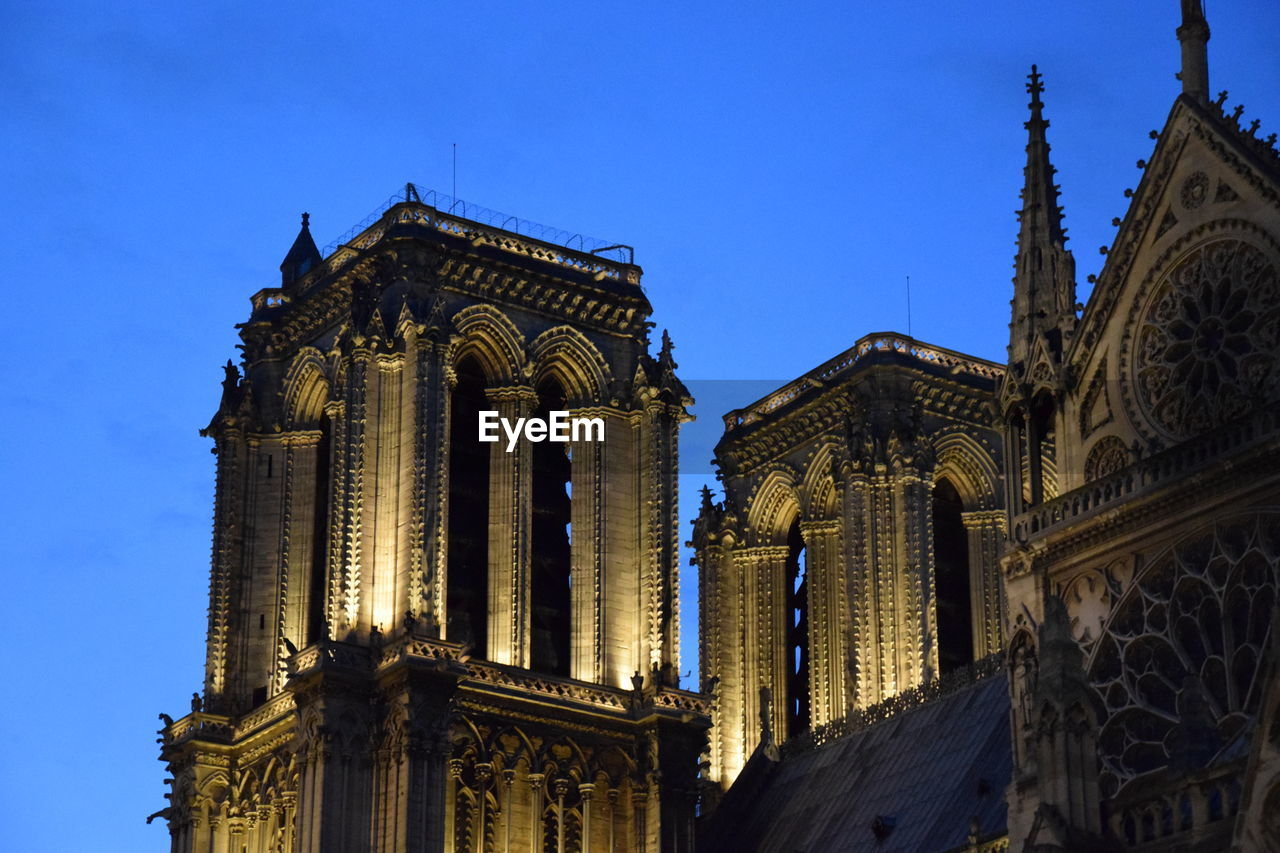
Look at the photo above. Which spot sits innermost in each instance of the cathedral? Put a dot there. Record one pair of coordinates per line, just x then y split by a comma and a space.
944, 604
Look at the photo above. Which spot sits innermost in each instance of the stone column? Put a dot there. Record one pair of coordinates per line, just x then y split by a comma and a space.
228, 543
586, 790
535, 811
428, 531
587, 555
332, 689
508, 807
825, 579
918, 611
764, 633
985, 529
416, 691
351, 551
860, 660
509, 515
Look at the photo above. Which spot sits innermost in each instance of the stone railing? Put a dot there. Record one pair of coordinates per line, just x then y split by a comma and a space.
1189, 808
1164, 467
873, 344
682, 700
332, 653
200, 725
548, 685
408, 646
987, 667
277, 707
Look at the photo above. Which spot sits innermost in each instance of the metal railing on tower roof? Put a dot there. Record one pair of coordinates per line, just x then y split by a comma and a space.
460, 209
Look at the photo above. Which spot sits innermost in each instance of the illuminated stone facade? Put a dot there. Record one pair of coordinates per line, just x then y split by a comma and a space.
820, 578
421, 642
417, 643
1144, 472
1129, 579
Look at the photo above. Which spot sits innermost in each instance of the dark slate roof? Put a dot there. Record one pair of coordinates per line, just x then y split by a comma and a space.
925, 774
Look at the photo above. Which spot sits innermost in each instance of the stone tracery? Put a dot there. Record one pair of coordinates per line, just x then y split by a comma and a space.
1201, 611
1206, 339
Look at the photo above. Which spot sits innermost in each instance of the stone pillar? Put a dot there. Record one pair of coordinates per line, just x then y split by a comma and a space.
764, 634
587, 555
509, 515
659, 464
825, 578
917, 611
508, 807
678, 748
428, 539
860, 659
228, 543
350, 553
986, 532
416, 692
332, 689
586, 790
535, 811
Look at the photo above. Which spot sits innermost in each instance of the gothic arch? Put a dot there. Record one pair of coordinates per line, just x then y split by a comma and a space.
489, 336
968, 466
1107, 456
566, 354
817, 494
771, 509
306, 389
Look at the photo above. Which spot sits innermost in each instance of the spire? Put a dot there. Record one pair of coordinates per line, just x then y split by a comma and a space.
1044, 283
1041, 217
303, 255
1194, 37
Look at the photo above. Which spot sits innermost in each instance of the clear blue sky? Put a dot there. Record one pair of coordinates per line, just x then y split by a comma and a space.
780, 168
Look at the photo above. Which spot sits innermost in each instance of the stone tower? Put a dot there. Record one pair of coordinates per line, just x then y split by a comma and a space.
856, 553
420, 641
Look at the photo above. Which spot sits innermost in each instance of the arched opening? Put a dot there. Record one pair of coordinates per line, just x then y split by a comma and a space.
797, 610
467, 599
317, 591
549, 536
951, 578
1039, 462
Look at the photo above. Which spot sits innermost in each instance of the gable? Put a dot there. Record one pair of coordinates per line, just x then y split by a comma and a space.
1185, 316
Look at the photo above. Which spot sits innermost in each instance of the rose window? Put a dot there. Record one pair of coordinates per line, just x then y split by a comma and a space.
1207, 340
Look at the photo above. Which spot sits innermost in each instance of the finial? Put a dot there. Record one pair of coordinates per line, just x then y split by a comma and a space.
306, 220
1035, 87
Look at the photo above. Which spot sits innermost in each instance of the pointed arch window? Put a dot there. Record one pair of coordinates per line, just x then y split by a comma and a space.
951, 578
467, 598
549, 537
797, 650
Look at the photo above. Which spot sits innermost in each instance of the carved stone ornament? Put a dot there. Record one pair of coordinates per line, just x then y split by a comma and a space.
1202, 611
1194, 190
1205, 344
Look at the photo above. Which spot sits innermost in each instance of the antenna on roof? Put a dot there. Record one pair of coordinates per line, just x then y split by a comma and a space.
455, 172
908, 306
